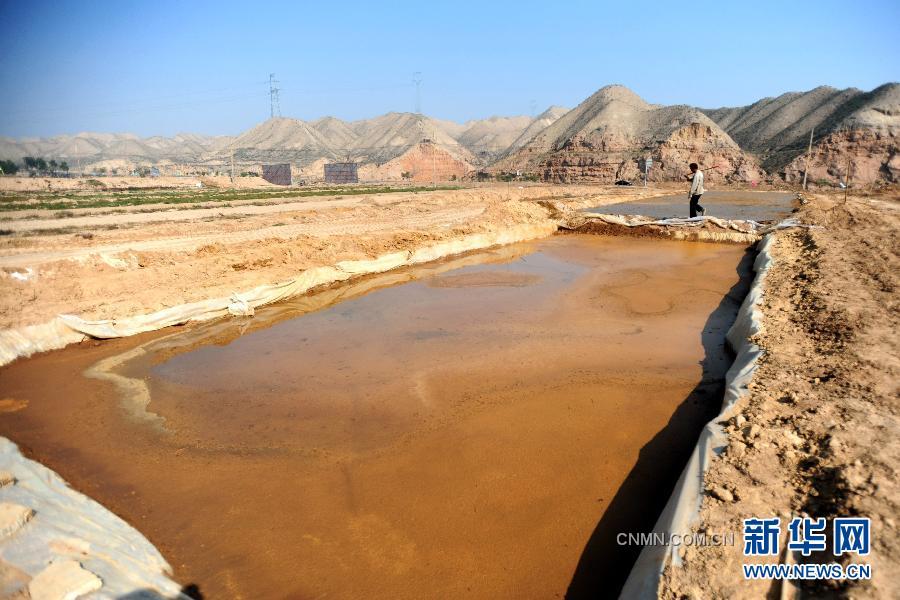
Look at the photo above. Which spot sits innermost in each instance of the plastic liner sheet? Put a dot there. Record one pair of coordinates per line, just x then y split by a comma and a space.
743, 226
64, 544
682, 229
683, 508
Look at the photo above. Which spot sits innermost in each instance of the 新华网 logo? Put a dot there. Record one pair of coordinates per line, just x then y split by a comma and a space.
805, 535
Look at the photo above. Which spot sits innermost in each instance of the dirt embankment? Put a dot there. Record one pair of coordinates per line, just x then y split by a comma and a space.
819, 433
141, 259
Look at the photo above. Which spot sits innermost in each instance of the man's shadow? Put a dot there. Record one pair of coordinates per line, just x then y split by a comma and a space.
604, 565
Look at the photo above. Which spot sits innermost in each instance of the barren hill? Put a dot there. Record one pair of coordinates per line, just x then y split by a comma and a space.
541, 122
94, 147
488, 138
377, 141
336, 131
381, 139
388, 136
607, 136
850, 123
280, 139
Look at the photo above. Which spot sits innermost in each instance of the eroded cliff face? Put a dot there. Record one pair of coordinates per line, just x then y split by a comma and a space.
422, 163
872, 156
607, 158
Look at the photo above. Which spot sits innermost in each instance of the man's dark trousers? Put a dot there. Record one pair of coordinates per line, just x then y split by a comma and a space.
695, 205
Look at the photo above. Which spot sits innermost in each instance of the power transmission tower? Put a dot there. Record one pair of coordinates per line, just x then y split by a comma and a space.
274, 106
417, 79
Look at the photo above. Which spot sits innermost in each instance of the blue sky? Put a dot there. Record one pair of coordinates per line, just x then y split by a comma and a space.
158, 68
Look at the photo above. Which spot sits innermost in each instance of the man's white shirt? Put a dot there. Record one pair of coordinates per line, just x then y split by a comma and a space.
697, 184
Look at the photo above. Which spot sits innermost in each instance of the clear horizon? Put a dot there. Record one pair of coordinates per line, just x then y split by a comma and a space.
166, 68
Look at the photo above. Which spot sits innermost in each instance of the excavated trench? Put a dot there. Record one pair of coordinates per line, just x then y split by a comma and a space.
481, 426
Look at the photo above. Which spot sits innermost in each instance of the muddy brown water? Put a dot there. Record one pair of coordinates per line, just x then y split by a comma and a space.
758, 206
481, 426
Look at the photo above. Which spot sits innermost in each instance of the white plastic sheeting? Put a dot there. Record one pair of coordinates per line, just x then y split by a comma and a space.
637, 221
683, 229
68, 329
739, 225
69, 544
683, 508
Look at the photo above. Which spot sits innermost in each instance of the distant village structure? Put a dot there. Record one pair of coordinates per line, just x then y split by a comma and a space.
277, 174
345, 172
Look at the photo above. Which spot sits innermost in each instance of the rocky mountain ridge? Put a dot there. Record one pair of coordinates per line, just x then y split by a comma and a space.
610, 135
605, 138
777, 129
281, 139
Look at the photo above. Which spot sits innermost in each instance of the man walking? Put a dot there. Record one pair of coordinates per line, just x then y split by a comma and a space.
696, 178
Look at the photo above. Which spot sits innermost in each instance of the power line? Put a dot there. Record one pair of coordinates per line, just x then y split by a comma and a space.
349, 89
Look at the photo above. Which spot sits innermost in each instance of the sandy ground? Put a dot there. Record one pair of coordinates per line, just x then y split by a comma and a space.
127, 261
819, 434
